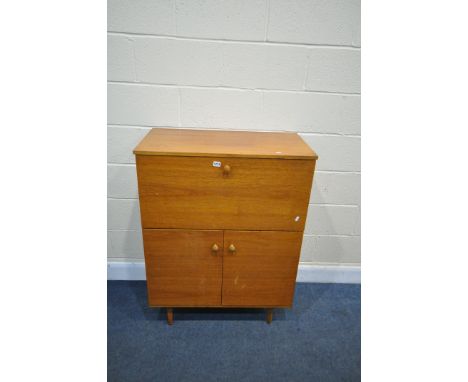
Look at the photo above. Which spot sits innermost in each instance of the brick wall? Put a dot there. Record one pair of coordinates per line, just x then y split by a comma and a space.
245, 65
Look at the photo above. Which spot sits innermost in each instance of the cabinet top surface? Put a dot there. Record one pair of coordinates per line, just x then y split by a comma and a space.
185, 142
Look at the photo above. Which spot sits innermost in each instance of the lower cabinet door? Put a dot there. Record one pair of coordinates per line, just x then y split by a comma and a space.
183, 267
260, 268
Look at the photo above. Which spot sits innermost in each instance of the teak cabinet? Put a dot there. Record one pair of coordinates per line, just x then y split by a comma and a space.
223, 215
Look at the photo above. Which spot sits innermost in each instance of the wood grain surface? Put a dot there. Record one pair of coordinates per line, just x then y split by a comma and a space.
209, 143
262, 270
181, 268
256, 194
223, 214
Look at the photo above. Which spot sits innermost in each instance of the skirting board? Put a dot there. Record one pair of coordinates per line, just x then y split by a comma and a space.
307, 273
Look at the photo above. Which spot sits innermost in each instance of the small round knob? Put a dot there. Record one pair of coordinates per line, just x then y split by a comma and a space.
232, 249
215, 248
226, 170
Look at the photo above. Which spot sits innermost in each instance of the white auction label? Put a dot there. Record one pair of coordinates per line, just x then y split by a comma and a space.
216, 163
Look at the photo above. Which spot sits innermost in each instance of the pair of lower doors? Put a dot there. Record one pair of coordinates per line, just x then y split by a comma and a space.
203, 268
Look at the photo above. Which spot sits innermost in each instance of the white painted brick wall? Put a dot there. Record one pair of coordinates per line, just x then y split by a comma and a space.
312, 112
230, 20
141, 16
121, 140
227, 109
331, 249
178, 62
247, 65
334, 70
336, 188
332, 22
120, 59
122, 181
332, 220
123, 214
336, 152
255, 66
125, 244
175, 61
236, 108
142, 105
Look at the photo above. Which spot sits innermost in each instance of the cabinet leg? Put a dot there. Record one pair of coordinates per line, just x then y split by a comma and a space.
269, 315
170, 316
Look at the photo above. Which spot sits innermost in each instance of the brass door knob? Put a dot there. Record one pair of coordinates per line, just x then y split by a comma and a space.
232, 249
215, 248
226, 170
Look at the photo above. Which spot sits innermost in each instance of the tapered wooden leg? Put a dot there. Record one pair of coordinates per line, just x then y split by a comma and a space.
170, 316
269, 315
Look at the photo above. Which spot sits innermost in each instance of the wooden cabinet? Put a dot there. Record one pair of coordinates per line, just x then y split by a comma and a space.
223, 214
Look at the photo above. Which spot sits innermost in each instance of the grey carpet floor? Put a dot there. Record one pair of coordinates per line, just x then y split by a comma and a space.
317, 340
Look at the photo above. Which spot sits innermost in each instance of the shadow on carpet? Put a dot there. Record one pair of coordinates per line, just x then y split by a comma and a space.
317, 340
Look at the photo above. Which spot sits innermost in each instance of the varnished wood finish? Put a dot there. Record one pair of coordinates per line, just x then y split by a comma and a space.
181, 268
269, 315
223, 213
263, 269
170, 316
214, 143
257, 194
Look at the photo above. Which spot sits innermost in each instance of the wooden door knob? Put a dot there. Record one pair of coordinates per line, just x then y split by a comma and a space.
215, 248
226, 170
232, 249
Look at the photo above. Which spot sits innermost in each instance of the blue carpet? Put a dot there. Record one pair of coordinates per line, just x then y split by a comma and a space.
317, 340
